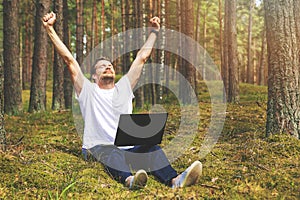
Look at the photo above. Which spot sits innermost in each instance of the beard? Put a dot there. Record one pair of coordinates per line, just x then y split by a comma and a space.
108, 78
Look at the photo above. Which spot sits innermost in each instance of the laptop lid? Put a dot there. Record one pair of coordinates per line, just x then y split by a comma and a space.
140, 129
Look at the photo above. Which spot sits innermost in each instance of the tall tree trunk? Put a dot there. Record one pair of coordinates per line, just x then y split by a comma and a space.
181, 29
250, 67
224, 70
93, 32
261, 76
167, 58
39, 66
191, 72
112, 27
230, 71
158, 60
220, 17
126, 43
204, 29
58, 101
198, 20
186, 69
79, 32
28, 47
102, 24
151, 89
139, 93
12, 76
2, 128
283, 113
197, 37
68, 85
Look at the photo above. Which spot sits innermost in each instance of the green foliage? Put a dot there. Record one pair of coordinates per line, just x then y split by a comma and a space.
43, 159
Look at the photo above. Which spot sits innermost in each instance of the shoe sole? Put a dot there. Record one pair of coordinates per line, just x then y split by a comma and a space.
140, 179
193, 175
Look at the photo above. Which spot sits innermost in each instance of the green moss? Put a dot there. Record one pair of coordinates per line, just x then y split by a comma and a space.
43, 158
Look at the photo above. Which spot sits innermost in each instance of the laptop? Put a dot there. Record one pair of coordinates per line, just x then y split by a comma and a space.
140, 129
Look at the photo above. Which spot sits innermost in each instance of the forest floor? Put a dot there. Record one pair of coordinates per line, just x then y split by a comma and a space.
43, 159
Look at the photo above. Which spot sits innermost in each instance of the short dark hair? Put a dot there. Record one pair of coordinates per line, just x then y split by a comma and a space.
93, 70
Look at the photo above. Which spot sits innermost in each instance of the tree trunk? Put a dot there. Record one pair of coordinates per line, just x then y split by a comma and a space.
39, 66
28, 47
94, 28
189, 12
68, 85
158, 59
58, 101
11, 54
79, 32
186, 69
2, 128
261, 76
126, 43
204, 29
230, 71
167, 58
221, 34
102, 24
139, 93
283, 45
250, 67
112, 27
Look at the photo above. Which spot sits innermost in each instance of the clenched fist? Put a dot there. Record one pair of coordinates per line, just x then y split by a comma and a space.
49, 19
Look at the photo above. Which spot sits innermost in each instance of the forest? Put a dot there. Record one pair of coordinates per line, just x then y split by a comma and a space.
225, 71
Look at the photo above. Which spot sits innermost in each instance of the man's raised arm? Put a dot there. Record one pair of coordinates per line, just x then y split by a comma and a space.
144, 53
73, 66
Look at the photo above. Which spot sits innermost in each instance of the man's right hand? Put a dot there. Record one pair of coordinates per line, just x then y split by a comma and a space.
49, 19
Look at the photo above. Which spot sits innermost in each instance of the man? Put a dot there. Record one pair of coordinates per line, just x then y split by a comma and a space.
101, 104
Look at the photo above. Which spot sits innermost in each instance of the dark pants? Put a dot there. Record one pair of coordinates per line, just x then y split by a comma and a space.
120, 163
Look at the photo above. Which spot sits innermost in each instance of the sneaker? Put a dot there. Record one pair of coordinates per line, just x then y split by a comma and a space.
139, 180
190, 176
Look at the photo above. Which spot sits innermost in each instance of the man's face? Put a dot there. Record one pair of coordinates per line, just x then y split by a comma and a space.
104, 71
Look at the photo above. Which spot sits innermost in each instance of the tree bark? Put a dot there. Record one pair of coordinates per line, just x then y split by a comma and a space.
261, 75
220, 18
250, 67
2, 127
39, 67
11, 55
186, 68
28, 46
58, 101
126, 43
230, 71
68, 85
167, 58
283, 45
79, 32
139, 93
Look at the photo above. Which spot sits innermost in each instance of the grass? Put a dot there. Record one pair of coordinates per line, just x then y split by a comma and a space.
43, 159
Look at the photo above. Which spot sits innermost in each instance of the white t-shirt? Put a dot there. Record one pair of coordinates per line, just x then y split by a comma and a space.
101, 109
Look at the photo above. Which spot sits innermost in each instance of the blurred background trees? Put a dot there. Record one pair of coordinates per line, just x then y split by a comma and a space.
233, 33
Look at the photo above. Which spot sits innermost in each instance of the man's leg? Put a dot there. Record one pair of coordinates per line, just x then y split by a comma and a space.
113, 159
152, 159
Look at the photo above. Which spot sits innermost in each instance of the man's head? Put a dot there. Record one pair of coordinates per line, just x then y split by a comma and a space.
102, 72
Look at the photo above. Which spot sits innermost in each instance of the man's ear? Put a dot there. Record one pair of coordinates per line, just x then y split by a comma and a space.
94, 77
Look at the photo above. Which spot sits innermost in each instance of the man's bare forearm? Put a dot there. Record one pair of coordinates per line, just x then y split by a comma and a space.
72, 64
63, 51
144, 53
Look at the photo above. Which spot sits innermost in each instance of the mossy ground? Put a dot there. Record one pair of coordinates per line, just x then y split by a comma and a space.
43, 159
